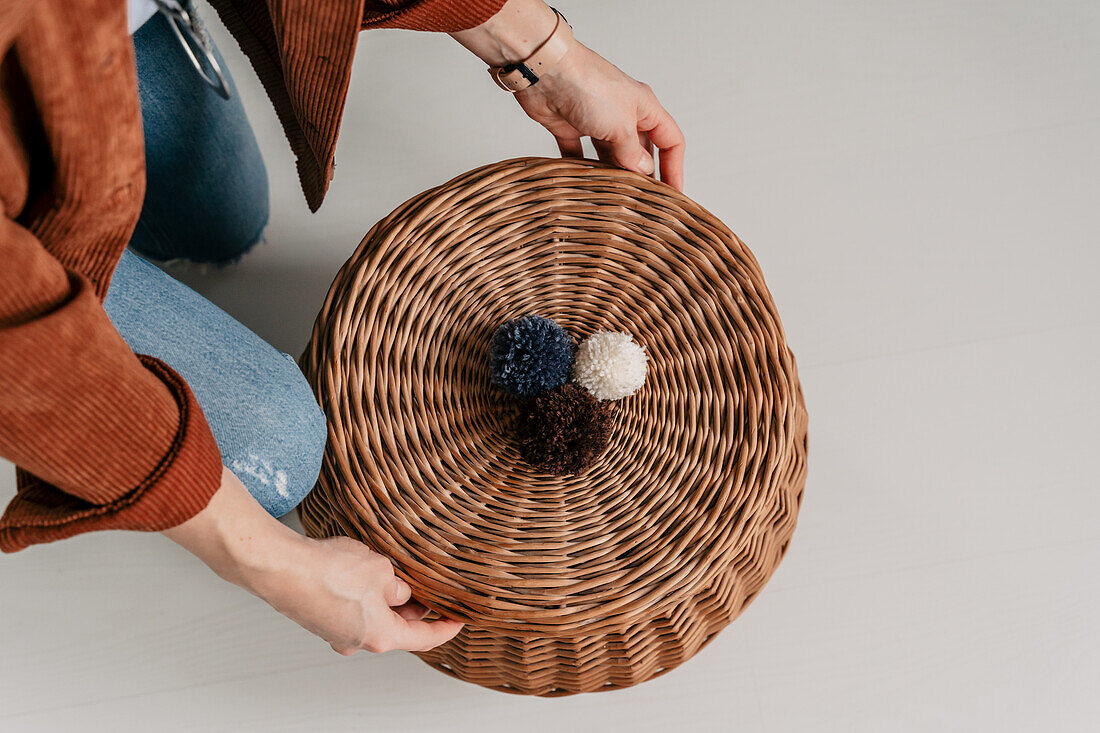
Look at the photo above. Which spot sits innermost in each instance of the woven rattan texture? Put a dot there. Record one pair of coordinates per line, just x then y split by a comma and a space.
567, 584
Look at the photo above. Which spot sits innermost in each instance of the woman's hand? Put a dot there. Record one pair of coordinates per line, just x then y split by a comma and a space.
348, 595
583, 95
336, 588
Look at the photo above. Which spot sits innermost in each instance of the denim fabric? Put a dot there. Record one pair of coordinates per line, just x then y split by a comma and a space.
207, 200
262, 412
206, 189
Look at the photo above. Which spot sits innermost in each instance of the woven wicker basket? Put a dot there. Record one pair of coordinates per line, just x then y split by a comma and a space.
566, 584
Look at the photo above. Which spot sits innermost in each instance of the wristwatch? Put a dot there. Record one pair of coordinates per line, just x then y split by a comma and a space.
517, 77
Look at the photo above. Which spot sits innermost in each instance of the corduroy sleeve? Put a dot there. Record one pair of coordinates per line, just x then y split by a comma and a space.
302, 51
103, 438
441, 16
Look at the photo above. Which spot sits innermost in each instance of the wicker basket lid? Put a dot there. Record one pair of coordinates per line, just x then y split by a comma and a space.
567, 584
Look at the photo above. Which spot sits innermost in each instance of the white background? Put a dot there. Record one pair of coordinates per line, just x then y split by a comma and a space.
919, 180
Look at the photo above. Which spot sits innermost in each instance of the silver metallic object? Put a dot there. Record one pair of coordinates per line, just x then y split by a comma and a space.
192, 36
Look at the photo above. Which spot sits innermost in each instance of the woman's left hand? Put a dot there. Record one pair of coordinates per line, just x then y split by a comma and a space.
582, 95
585, 95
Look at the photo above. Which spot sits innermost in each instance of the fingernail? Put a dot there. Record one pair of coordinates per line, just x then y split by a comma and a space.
646, 164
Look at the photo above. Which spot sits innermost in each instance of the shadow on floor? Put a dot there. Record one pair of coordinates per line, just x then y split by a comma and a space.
277, 300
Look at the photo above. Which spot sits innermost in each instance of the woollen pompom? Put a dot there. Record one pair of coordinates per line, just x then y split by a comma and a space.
529, 355
563, 431
610, 365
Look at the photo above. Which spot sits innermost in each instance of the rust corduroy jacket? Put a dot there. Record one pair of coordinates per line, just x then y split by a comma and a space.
105, 438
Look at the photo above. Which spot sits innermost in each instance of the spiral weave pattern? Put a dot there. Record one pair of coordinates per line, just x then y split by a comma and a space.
566, 583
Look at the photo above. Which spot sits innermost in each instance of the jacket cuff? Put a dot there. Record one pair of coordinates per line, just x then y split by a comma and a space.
440, 16
177, 488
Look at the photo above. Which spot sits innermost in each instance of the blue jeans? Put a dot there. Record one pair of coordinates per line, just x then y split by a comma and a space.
206, 197
207, 200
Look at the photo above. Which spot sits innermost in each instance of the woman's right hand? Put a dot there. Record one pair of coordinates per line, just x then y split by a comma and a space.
583, 95
348, 595
336, 588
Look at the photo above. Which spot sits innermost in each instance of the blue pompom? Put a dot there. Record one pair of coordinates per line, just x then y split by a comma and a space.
530, 355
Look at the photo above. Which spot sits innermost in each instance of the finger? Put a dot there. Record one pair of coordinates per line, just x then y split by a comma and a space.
343, 650
397, 593
411, 611
603, 151
672, 166
420, 636
570, 147
666, 135
567, 138
646, 143
627, 152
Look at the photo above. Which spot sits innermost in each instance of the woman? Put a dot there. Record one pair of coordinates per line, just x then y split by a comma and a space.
129, 402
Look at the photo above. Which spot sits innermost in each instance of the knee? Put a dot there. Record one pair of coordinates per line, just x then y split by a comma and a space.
280, 461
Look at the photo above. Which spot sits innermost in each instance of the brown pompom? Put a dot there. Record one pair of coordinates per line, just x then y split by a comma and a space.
564, 430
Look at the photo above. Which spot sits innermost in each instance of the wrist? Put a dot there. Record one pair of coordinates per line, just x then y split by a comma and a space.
237, 538
512, 35
566, 73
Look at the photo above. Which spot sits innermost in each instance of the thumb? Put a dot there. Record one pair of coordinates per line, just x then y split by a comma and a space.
627, 152
397, 593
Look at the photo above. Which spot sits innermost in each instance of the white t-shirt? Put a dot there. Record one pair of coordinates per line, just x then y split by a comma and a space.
139, 11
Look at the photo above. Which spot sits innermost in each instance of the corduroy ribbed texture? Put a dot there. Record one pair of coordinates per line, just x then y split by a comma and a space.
105, 439
176, 489
439, 16
302, 53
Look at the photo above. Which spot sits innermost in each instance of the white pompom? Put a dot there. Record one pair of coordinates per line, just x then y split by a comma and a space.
610, 365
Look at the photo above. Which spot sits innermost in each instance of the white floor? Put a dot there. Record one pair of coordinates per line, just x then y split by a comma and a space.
921, 183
